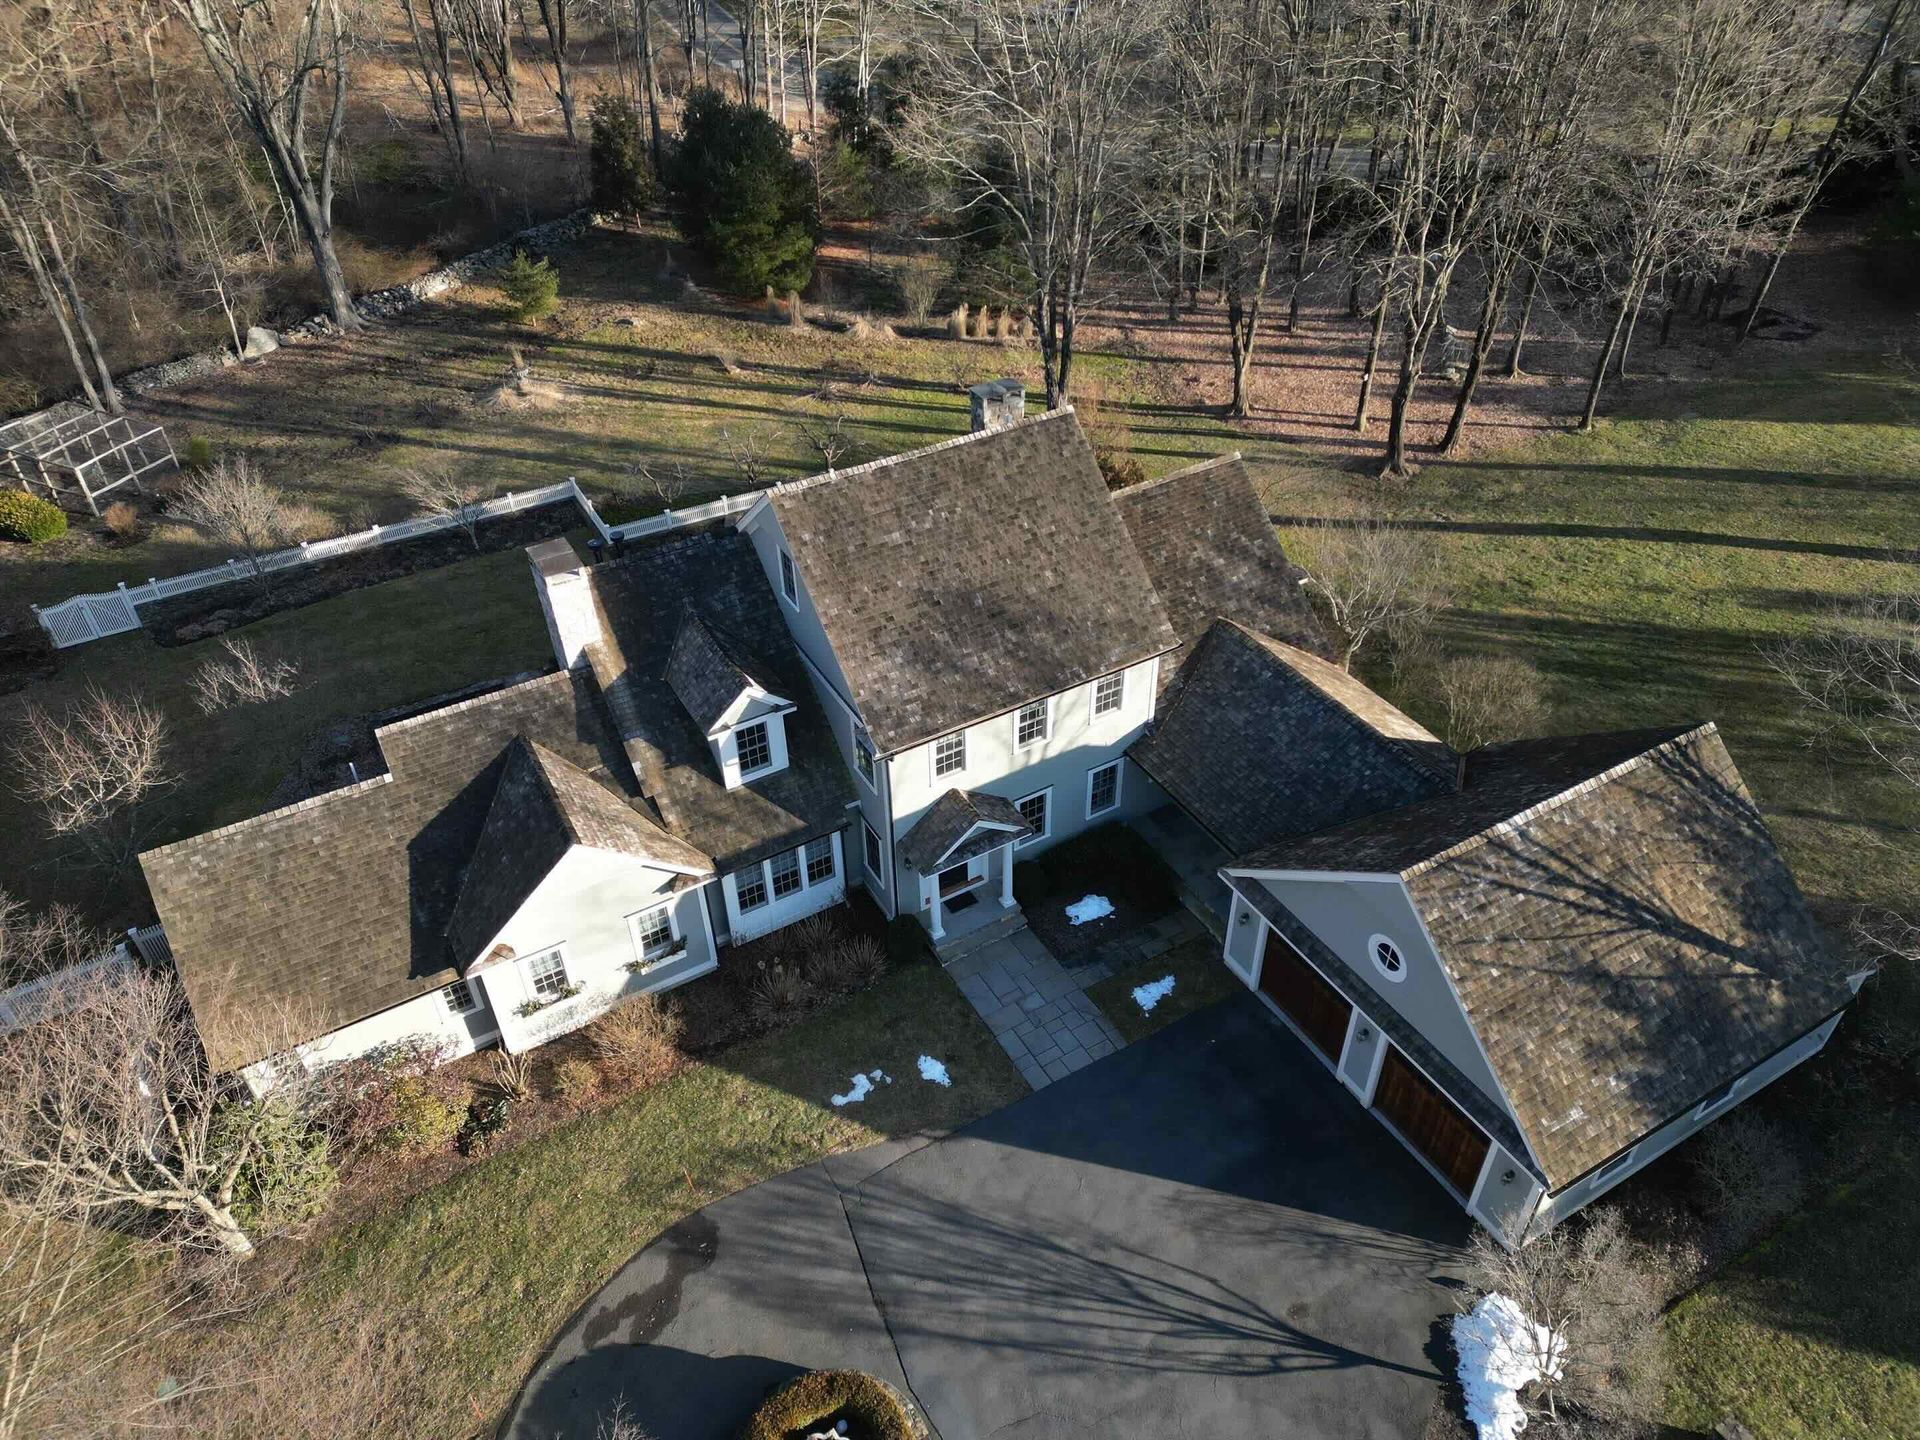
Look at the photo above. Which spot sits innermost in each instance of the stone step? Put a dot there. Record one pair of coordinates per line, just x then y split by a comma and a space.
956, 947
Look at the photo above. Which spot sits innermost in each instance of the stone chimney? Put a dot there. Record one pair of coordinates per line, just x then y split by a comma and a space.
996, 404
566, 599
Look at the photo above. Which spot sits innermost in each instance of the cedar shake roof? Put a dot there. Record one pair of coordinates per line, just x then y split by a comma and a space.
947, 822
643, 599
543, 807
1258, 740
966, 579
703, 671
1211, 552
1621, 930
327, 911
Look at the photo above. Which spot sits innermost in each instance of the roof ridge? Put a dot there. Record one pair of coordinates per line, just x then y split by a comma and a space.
1180, 474
793, 487
540, 756
440, 710
1557, 799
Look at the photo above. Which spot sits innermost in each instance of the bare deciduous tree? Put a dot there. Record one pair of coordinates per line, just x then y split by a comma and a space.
238, 508
443, 492
751, 455
243, 676
832, 439
92, 771
39, 942
1373, 578
668, 481
1859, 674
1489, 698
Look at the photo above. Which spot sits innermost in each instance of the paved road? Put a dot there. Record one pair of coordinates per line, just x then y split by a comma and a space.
1199, 1235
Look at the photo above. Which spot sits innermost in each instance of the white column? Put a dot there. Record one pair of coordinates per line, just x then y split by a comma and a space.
932, 882
1006, 876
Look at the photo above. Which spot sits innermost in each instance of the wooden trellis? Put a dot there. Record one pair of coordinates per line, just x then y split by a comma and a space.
72, 455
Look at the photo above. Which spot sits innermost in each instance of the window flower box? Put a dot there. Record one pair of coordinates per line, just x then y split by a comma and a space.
541, 1002
654, 962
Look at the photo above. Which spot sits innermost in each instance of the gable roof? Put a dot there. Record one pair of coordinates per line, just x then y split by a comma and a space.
705, 672
1211, 552
339, 906
543, 807
965, 579
1620, 928
642, 600
1257, 740
940, 836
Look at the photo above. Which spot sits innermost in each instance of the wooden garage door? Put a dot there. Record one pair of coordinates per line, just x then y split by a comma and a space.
1430, 1122
1309, 1001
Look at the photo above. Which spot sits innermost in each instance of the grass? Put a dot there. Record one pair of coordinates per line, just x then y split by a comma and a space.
368, 650
491, 1262
1200, 979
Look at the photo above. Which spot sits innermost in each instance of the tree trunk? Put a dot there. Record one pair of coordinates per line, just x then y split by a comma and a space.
1411, 358
36, 264
1600, 366
643, 22
1490, 307
82, 320
553, 16
1526, 319
1243, 325
1373, 361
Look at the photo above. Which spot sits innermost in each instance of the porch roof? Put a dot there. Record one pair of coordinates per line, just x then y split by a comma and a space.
960, 825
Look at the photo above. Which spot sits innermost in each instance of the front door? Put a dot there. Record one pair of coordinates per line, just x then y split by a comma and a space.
1430, 1122
1306, 998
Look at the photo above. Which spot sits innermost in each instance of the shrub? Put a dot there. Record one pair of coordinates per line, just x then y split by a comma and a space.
199, 453
742, 196
29, 518
290, 1178
846, 963
1110, 858
425, 1115
358, 1109
778, 993
907, 940
1751, 1178
637, 1041
1119, 470
121, 520
530, 285
1489, 698
513, 1074
575, 1081
620, 183
486, 1124
812, 1402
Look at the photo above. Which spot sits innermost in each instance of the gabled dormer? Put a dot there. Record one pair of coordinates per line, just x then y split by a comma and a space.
744, 722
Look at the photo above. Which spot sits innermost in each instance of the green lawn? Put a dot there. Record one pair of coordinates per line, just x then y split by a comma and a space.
1200, 978
367, 650
473, 1276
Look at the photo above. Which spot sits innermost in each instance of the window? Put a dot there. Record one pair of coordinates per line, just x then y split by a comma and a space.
1103, 789
863, 757
950, 753
820, 860
750, 890
653, 935
460, 999
786, 873
789, 582
1109, 691
1036, 810
549, 975
751, 744
1387, 958
1030, 724
872, 849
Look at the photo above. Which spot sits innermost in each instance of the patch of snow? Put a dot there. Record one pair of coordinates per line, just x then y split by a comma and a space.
1148, 996
1090, 907
1501, 1352
862, 1086
933, 1071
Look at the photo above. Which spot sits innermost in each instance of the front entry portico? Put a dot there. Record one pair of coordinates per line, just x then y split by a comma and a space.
962, 850
969, 891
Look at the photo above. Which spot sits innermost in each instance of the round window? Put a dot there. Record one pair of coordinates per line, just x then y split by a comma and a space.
1387, 958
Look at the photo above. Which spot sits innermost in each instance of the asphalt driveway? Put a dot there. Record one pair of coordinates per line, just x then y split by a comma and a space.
1202, 1234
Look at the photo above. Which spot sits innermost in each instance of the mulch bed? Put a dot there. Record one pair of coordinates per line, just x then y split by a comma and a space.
204, 613
1111, 860
1074, 945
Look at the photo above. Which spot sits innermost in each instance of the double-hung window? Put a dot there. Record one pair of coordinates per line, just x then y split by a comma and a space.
789, 582
950, 754
548, 973
1036, 811
875, 866
820, 860
751, 744
1103, 789
750, 889
786, 873
653, 937
863, 758
460, 998
1032, 722
1109, 693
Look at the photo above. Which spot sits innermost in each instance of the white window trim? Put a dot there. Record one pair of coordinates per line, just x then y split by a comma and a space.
1094, 712
1045, 734
765, 723
789, 576
766, 884
799, 856
676, 943
866, 858
871, 781
833, 862
933, 756
1374, 942
1119, 781
566, 976
473, 998
1048, 831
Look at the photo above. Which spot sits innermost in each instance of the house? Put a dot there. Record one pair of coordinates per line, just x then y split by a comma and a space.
1539, 964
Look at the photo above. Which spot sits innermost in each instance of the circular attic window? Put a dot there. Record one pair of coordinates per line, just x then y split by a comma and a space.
1387, 958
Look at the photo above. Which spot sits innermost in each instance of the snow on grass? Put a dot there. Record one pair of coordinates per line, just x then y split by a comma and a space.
1090, 907
934, 1072
1150, 995
1501, 1351
862, 1087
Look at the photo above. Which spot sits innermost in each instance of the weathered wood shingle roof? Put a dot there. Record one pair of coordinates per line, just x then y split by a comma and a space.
947, 822
1620, 927
963, 580
705, 672
1257, 740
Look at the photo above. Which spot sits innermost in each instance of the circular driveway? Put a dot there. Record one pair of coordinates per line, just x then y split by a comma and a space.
1203, 1234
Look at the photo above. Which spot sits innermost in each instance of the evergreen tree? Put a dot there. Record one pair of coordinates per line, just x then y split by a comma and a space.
621, 184
741, 195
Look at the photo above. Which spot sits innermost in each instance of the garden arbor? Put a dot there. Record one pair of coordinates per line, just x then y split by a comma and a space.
72, 456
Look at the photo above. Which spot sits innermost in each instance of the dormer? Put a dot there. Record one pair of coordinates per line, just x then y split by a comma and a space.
745, 724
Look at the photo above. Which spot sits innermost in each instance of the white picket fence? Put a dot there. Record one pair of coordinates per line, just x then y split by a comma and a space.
80, 618
37, 999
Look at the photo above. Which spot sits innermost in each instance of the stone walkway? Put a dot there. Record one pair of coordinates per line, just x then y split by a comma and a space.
1039, 1010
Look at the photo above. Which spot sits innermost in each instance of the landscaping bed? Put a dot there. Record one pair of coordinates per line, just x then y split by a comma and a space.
1200, 978
184, 619
1110, 861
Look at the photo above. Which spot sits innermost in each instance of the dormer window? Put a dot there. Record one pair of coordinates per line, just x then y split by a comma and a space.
753, 747
745, 723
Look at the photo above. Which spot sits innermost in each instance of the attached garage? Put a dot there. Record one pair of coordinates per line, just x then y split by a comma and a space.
1305, 997
1431, 1123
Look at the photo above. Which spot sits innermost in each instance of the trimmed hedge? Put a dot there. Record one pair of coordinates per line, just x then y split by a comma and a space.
29, 518
868, 1407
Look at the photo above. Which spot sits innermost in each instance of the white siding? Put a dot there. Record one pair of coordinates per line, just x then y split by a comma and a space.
811, 898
